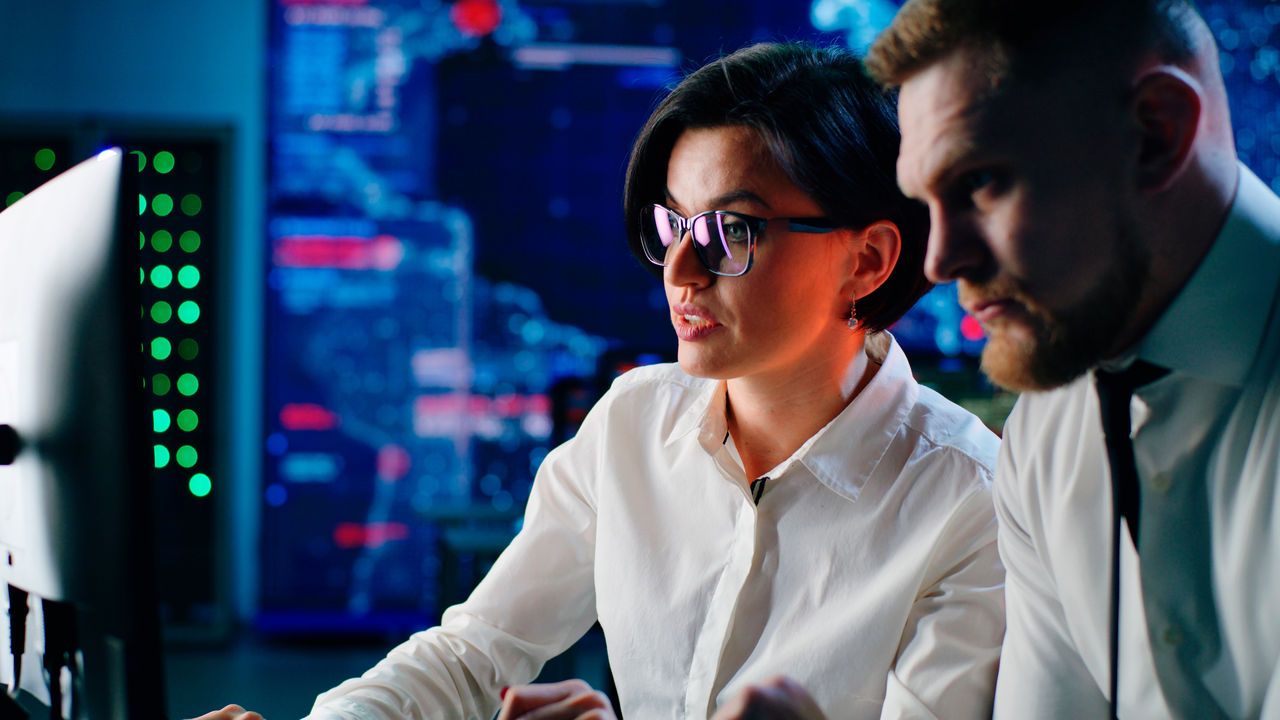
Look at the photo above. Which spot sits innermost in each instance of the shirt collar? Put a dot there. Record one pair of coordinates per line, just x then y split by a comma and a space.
845, 452
1215, 324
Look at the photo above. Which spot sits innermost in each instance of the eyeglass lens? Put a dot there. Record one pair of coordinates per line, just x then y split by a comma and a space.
722, 240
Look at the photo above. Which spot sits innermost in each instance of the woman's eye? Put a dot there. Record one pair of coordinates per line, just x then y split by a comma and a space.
735, 231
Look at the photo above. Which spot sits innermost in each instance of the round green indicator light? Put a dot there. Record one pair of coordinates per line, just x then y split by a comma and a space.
186, 456
142, 204
142, 240
160, 386
191, 204
188, 349
200, 485
189, 276
161, 312
189, 241
45, 159
162, 456
188, 384
161, 276
189, 312
13, 197
161, 348
163, 162
142, 159
188, 420
162, 204
160, 420
162, 240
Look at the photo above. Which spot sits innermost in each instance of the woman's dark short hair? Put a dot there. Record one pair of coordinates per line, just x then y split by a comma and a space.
833, 131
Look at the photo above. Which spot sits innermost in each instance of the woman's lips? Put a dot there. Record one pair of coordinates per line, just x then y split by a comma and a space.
693, 323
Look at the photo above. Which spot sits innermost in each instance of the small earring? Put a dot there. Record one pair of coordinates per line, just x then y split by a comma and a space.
853, 314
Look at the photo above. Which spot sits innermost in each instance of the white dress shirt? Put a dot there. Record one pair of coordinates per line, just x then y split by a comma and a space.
868, 571
1200, 602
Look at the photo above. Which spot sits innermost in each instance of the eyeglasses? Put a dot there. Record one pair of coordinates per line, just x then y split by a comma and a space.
724, 242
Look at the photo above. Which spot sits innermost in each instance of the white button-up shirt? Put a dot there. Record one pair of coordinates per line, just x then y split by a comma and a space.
868, 571
1200, 604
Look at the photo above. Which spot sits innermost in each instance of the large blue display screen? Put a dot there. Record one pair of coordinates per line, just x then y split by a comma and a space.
448, 285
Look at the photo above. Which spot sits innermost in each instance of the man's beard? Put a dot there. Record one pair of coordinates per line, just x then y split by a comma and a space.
1065, 344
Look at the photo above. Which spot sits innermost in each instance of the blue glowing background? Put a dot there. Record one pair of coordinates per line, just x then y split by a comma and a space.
447, 281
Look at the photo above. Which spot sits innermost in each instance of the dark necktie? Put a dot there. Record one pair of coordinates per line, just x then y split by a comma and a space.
1115, 390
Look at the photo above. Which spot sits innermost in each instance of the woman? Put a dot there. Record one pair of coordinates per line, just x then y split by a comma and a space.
785, 499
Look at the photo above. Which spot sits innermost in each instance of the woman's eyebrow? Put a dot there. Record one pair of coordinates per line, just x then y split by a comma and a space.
725, 199
740, 196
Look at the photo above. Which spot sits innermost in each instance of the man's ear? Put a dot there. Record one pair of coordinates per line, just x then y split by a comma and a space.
1166, 107
881, 244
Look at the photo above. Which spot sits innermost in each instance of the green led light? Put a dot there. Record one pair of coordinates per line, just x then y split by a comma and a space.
142, 205
162, 240
162, 456
186, 456
142, 159
189, 276
160, 420
13, 197
188, 349
188, 384
163, 162
161, 276
189, 312
190, 241
162, 204
161, 312
142, 240
142, 276
45, 159
188, 420
160, 385
161, 348
191, 204
200, 485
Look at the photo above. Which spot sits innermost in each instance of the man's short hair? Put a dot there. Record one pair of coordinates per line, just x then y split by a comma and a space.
1029, 39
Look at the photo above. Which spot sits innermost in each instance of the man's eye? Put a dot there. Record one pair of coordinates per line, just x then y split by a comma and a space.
977, 180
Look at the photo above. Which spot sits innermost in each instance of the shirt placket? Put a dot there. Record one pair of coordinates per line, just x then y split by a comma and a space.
1175, 573
714, 634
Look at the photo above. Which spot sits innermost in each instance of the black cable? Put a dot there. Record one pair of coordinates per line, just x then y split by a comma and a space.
60, 645
17, 631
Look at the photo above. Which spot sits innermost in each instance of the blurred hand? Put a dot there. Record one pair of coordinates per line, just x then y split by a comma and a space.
230, 712
778, 698
568, 700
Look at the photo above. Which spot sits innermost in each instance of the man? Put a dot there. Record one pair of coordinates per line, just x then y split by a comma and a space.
1084, 192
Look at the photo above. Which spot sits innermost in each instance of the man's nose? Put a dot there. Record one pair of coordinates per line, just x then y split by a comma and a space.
957, 249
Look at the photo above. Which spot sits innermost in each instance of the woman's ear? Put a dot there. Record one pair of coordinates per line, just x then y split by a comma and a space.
877, 254
1166, 107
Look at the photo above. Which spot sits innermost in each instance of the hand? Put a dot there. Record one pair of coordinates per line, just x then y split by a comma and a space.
778, 698
230, 712
568, 700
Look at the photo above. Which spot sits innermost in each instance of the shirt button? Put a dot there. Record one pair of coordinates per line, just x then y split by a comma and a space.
1161, 483
1172, 635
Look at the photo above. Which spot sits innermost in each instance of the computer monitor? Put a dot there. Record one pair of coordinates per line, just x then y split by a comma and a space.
76, 543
